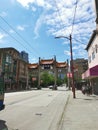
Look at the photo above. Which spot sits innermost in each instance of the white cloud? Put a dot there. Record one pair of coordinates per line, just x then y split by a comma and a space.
41, 3
66, 42
80, 46
12, 1
21, 28
39, 22
25, 3
80, 53
3, 14
11, 31
59, 15
34, 60
2, 36
67, 53
33, 9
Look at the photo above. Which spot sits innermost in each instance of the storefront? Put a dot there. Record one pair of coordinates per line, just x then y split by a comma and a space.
92, 75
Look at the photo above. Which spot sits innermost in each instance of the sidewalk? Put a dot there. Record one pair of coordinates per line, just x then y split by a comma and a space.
80, 113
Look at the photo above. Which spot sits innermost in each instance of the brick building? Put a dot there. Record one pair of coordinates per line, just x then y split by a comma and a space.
14, 68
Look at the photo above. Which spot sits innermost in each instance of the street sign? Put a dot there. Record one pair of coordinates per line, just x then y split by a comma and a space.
69, 75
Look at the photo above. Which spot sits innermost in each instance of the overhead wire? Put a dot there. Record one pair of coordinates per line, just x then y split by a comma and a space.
73, 22
61, 23
60, 16
79, 41
27, 41
14, 31
12, 37
17, 33
74, 17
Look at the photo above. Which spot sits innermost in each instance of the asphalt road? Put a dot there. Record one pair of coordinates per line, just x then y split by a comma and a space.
33, 110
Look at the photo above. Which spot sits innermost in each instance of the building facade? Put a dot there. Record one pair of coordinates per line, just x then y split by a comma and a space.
92, 48
22, 74
24, 56
92, 73
80, 66
13, 67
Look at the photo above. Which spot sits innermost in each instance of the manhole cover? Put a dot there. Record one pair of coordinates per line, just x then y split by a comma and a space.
38, 114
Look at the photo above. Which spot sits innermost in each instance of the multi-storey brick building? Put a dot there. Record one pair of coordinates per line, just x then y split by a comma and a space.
80, 66
14, 68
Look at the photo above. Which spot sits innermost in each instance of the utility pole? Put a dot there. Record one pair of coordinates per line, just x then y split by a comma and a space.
55, 73
39, 87
72, 67
68, 74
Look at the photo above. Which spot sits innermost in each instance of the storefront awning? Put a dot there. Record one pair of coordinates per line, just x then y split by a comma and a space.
92, 72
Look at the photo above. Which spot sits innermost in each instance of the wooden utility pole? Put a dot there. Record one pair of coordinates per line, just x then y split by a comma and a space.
72, 68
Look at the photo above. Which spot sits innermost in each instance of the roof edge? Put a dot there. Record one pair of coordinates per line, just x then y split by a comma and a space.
91, 39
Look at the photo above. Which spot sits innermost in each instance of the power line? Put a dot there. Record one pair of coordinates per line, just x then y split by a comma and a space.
17, 32
12, 37
74, 17
78, 41
59, 13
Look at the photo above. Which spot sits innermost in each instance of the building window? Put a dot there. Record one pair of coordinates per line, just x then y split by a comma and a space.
42, 67
96, 48
93, 55
89, 59
7, 68
8, 59
51, 67
46, 66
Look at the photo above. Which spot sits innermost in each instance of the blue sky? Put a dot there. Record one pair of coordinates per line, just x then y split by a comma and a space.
34, 24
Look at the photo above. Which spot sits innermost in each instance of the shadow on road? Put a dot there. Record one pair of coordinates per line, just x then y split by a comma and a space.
3, 125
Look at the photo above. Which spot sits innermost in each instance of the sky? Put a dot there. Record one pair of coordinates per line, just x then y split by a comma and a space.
32, 25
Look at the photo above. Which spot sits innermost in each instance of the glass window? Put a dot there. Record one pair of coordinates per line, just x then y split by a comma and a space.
89, 59
93, 55
96, 48
8, 59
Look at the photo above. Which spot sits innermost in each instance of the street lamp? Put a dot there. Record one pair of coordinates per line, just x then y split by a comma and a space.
72, 68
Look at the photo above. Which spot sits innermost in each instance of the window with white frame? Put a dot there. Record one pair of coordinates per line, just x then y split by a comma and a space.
8, 59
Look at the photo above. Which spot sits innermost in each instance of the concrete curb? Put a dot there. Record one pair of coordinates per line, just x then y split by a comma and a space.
62, 115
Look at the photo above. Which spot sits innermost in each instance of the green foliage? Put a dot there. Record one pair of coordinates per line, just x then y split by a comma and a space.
65, 79
59, 81
47, 79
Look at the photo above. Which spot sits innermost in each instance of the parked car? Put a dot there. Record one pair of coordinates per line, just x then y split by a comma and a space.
50, 87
